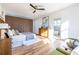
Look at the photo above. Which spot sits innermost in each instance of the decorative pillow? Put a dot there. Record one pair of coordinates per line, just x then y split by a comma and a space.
70, 44
17, 32
13, 31
10, 33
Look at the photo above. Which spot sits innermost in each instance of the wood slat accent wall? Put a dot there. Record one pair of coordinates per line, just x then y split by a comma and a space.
21, 24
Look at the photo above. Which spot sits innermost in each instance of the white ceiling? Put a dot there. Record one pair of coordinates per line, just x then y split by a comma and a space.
25, 11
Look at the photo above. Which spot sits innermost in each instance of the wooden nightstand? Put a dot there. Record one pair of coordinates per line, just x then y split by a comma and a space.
5, 46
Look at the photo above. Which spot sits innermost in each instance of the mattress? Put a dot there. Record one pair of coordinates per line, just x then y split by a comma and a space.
26, 38
18, 40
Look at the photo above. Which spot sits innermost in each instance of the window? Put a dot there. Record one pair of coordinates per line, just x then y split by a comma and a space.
57, 27
64, 29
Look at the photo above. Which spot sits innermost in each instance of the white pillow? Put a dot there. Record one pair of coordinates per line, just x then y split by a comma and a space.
13, 31
17, 32
10, 33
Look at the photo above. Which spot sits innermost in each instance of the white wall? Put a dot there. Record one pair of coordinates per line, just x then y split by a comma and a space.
74, 22
37, 23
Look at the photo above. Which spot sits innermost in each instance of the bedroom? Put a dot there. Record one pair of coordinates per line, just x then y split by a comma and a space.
38, 28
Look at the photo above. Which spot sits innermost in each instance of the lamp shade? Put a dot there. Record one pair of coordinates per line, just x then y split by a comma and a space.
4, 26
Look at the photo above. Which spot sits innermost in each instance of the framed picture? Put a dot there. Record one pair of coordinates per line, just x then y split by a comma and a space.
45, 22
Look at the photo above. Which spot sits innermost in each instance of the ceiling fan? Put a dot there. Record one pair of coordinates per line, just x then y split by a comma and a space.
36, 8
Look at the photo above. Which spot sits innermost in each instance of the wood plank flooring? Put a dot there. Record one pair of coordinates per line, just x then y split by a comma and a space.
40, 48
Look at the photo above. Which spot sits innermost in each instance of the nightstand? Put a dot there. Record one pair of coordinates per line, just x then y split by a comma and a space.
5, 46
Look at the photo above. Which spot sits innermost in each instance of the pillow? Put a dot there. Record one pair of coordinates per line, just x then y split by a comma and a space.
70, 44
10, 33
17, 32
13, 31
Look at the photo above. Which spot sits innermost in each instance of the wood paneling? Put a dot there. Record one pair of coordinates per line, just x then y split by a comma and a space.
21, 24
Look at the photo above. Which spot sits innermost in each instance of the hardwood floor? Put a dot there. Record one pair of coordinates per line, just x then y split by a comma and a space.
40, 48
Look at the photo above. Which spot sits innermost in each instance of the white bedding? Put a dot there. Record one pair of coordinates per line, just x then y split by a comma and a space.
18, 40
75, 51
19, 37
29, 35
25, 38
30, 38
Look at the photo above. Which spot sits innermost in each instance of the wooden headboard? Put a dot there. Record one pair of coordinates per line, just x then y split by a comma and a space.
21, 24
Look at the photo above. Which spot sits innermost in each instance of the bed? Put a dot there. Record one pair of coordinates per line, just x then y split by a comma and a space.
30, 38
24, 38
75, 51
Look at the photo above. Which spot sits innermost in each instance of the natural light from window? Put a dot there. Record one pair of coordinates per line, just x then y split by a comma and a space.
64, 29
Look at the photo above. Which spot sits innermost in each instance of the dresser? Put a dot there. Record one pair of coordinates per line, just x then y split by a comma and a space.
43, 32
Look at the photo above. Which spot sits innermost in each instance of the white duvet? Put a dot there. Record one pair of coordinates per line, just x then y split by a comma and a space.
75, 51
23, 39
18, 40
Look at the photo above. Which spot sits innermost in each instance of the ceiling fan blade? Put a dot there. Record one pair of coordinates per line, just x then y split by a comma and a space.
33, 6
40, 9
34, 11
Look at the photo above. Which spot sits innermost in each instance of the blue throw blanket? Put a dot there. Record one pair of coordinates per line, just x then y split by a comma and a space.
29, 35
